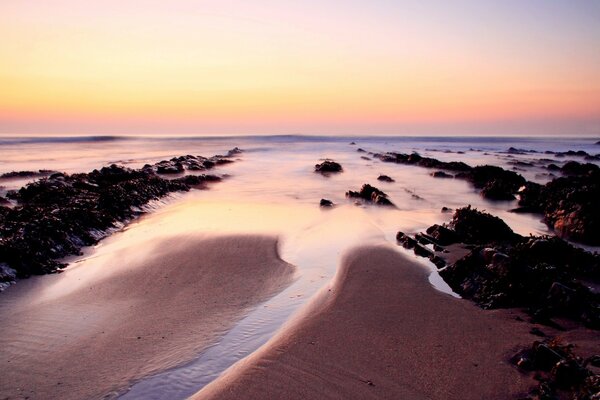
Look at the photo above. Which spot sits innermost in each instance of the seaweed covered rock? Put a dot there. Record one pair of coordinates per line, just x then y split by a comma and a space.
370, 194
546, 275
495, 183
328, 166
559, 371
474, 226
426, 162
57, 216
569, 206
576, 168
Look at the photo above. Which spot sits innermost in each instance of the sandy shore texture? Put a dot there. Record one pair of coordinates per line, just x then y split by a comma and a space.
382, 332
91, 330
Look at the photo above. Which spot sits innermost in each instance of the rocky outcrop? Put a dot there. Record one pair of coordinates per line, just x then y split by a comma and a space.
495, 183
26, 174
385, 178
569, 206
546, 275
559, 371
327, 167
57, 216
326, 203
370, 194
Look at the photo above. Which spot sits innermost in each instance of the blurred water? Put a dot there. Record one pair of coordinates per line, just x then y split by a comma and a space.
272, 189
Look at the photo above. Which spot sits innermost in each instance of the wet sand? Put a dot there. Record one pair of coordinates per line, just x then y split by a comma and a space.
381, 331
94, 328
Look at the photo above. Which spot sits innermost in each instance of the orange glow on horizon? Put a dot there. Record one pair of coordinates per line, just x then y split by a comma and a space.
253, 67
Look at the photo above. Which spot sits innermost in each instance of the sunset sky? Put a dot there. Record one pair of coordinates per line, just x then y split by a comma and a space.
313, 67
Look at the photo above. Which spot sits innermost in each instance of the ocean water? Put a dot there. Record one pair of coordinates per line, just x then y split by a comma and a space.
272, 189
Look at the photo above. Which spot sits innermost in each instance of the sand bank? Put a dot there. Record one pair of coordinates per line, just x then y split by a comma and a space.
381, 331
95, 328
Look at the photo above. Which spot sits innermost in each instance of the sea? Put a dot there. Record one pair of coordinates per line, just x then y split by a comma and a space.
272, 189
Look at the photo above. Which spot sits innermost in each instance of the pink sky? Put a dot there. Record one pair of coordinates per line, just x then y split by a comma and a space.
347, 67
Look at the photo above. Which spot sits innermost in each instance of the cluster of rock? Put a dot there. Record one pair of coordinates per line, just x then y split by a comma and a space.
546, 275
569, 205
26, 174
495, 183
559, 154
559, 371
56, 216
370, 194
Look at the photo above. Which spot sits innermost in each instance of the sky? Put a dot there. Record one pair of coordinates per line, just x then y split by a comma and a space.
512, 67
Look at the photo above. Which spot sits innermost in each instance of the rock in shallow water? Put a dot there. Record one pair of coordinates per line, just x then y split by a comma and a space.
328, 166
58, 215
370, 194
546, 275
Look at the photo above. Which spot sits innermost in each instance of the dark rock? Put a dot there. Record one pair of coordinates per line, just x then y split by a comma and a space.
169, 167
569, 373
473, 226
328, 166
58, 215
385, 178
575, 168
4, 201
360, 150
234, 152
569, 206
446, 209
442, 235
325, 203
416, 159
553, 167
370, 194
352, 143
441, 174
26, 174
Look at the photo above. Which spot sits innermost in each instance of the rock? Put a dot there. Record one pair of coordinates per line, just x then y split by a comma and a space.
352, 143
498, 190
553, 167
426, 162
568, 373
442, 235
441, 174
169, 167
4, 201
446, 209
328, 166
234, 152
26, 174
474, 226
385, 178
370, 194
575, 168
569, 206
56, 216
360, 150
325, 203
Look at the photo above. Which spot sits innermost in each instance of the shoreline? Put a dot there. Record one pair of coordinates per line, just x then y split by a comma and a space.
382, 331
92, 331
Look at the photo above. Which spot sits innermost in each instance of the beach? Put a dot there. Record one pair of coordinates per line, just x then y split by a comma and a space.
381, 331
248, 287
89, 332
